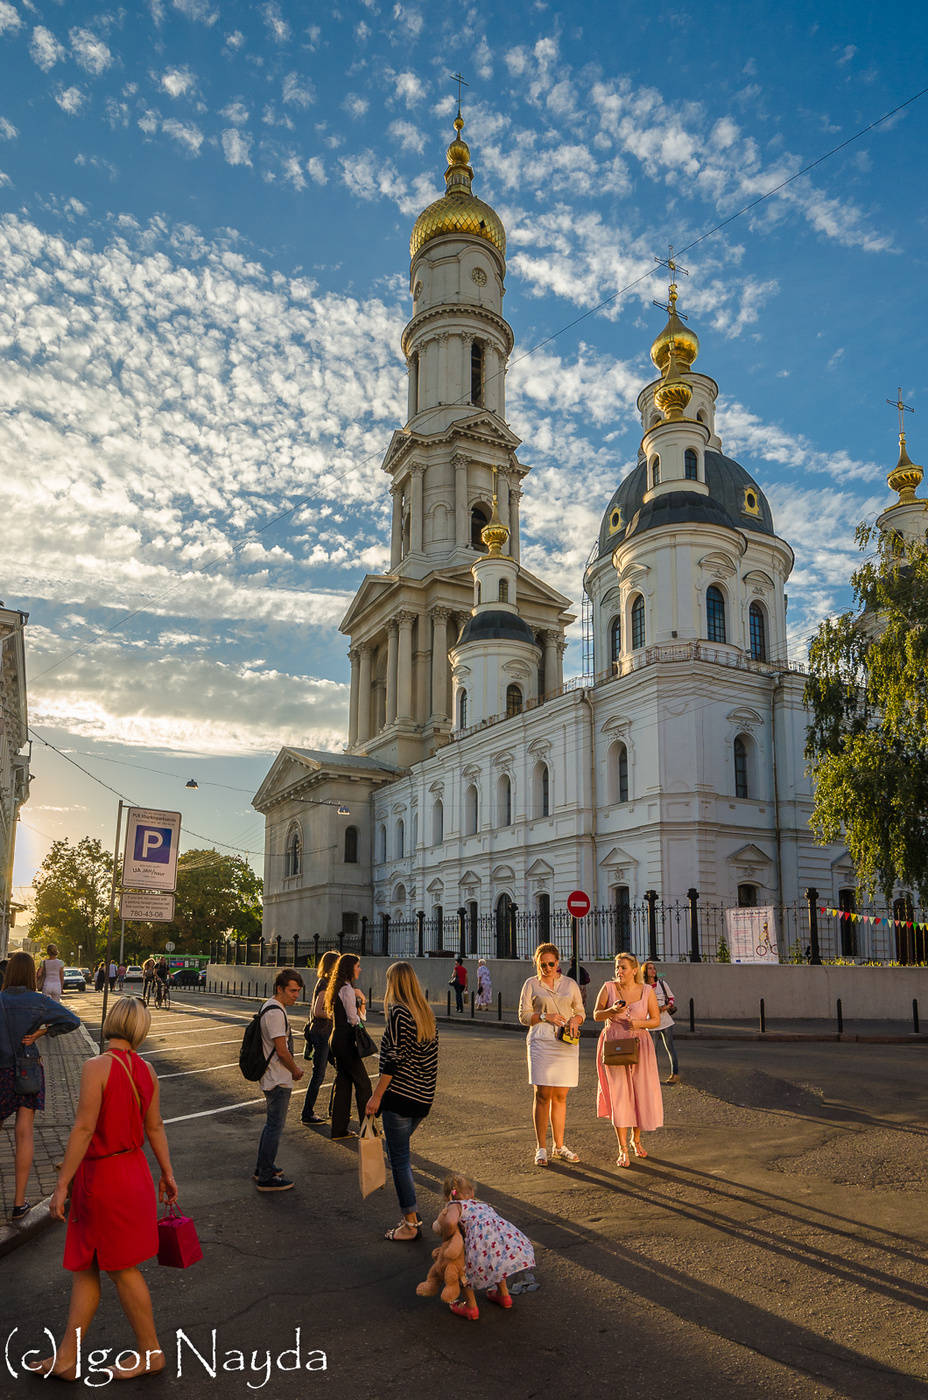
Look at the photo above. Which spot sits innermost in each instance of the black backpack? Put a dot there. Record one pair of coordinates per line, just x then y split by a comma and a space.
252, 1060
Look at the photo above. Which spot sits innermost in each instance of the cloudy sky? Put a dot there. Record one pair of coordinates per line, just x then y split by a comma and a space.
204, 220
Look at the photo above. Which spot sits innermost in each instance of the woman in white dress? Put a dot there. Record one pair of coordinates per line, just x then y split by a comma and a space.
551, 1006
50, 974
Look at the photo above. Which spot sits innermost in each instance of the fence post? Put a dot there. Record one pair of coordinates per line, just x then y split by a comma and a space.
315, 950
815, 957
915, 1015
341, 940
693, 897
277, 946
363, 934
511, 913
692, 1015
840, 1017
385, 933
651, 901
462, 933
471, 1006
763, 1017
499, 1006
420, 932
448, 1004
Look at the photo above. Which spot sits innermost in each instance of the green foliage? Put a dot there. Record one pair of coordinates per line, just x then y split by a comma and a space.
722, 952
72, 891
867, 740
216, 895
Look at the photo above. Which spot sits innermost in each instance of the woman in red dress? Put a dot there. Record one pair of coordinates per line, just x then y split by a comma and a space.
113, 1222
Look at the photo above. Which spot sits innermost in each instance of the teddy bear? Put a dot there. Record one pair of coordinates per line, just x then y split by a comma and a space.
447, 1272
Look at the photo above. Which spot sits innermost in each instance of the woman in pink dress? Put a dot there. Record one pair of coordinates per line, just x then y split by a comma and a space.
629, 1095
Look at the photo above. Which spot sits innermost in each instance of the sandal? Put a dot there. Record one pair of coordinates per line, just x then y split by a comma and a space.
394, 1235
638, 1149
494, 1296
622, 1160
462, 1309
541, 1157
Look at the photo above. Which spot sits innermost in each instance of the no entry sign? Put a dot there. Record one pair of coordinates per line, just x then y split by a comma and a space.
578, 904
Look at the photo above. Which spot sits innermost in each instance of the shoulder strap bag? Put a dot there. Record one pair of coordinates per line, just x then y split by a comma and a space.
622, 1050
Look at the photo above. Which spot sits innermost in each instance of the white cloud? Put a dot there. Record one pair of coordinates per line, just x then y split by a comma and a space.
70, 100
236, 112
316, 168
277, 26
846, 54
186, 134
356, 106
8, 131
408, 136
178, 82
235, 40
90, 51
408, 19
236, 146
45, 48
297, 91
198, 10
9, 17
408, 88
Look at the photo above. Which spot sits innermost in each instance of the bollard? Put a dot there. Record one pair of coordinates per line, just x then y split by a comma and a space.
448, 1004
763, 1017
840, 1018
692, 1016
471, 1006
915, 1015
499, 1006
370, 998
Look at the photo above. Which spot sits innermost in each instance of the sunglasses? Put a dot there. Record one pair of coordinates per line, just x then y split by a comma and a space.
548, 964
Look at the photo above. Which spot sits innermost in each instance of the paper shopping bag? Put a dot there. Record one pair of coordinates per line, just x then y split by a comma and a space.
372, 1171
178, 1245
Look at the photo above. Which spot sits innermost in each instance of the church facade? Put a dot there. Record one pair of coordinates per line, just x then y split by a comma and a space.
474, 778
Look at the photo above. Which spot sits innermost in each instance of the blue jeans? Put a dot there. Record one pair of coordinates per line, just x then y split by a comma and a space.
398, 1129
278, 1101
320, 1043
667, 1037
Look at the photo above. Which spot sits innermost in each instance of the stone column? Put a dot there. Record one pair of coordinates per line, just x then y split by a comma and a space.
552, 683
353, 703
502, 506
466, 342
440, 618
490, 379
417, 471
391, 673
461, 517
561, 648
396, 532
412, 370
364, 694
515, 495
403, 685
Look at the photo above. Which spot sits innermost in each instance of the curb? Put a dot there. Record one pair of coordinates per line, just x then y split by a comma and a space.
38, 1219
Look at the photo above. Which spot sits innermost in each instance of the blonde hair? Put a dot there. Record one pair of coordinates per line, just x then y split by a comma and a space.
405, 989
52, 950
327, 962
343, 976
630, 957
544, 948
457, 1185
127, 1019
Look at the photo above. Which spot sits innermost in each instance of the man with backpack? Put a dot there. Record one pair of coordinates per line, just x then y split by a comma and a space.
279, 1074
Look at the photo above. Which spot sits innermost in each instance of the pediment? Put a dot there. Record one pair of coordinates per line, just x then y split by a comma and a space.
539, 870
633, 572
294, 769
502, 873
618, 857
436, 887
759, 581
469, 878
749, 855
488, 428
616, 724
718, 564
374, 588
744, 715
504, 759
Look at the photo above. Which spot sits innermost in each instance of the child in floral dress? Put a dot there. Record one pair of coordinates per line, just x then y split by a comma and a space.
492, 1247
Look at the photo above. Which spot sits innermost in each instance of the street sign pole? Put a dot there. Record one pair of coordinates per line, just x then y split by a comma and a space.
575, 947
109, 922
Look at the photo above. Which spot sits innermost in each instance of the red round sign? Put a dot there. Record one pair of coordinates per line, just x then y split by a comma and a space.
578, 904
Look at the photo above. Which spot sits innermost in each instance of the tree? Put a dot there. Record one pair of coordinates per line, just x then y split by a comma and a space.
216, 895
867, 742
72, 891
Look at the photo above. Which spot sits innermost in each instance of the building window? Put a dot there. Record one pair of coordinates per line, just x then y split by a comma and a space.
382, 842
438, 822
638, 623
293, 857
741, 767
504, 940
655, 471
414, 382
847, 903
462, 709
620, 771
615, 639
715, 614
513, 700
400, 839
747, 896
351, 845
690, 465
473, 914
504, 590
623, 918
470, 810
544, 917
758, 627
504, 801
476, 373
542, 791
478, 520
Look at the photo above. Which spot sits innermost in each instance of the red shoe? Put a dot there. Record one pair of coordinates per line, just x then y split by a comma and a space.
494, 1296
464, 1310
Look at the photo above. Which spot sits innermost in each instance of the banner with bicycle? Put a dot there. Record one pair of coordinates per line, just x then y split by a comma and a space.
752, 935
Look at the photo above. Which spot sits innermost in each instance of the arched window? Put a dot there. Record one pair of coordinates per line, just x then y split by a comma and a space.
415, 830
740, 750
438, 822
638, 623
293, 856
504, 590
414, 383
476, 372
351, 845
462, 709
847, 903
715, 614
513, 700
504, 801
406, 528
400, 839
478, 519
747, 896
655, 471
702, 417
504, 948
542, 790
382, 841
544, 916
623, 917
619, 777
758, 628
690, 465
471, 812
615, 639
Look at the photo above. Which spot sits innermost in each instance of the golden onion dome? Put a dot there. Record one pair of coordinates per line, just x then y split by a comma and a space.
684, 341
495, 534
458, 210
905, 476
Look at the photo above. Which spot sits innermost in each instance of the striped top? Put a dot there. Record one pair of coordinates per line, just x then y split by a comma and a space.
412, 1063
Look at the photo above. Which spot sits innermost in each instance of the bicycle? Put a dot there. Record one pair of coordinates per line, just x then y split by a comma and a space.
764, 948
162, 996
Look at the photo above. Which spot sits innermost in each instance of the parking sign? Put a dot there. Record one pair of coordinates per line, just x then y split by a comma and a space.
152, 841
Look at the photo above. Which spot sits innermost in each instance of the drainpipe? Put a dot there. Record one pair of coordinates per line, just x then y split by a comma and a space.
778, 681
586, 700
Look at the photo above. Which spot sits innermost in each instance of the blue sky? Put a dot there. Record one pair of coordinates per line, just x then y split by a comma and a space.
204, 220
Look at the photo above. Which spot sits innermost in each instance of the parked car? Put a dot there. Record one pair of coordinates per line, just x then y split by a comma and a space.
188, 977
134, 973
86, 972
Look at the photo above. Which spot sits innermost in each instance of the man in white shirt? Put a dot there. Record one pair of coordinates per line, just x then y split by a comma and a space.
279, 1077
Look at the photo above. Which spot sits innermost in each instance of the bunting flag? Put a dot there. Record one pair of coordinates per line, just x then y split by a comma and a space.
875, 919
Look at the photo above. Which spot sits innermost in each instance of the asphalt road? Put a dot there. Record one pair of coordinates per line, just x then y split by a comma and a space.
773, 1244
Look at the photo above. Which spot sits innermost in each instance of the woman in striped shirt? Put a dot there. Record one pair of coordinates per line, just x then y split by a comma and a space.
406, 1087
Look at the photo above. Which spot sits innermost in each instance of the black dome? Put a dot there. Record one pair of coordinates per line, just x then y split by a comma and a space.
734, 500
496, 624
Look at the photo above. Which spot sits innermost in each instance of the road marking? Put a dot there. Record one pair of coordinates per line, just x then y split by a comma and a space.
226, 1108
179, 1074
178, 1049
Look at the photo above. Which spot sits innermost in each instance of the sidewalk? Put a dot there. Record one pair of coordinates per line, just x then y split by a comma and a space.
63, 1057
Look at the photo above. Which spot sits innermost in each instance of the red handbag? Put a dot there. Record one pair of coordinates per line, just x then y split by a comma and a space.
178, 1245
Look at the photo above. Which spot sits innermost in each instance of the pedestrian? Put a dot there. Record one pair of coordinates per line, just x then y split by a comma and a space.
484, 986
279, 1077
345, 1006
493, 1248
113, 1220
49, 977
100, 975
25, 1016
120, 977
666, 1005
582, 978
459, 982
406, 1088
148, 979
629, 1095
317, 1032
111, 975
551, 1006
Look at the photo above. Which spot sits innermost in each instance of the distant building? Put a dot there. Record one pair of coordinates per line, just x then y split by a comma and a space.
14, 757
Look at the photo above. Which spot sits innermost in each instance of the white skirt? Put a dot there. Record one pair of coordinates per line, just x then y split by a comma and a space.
550, 1062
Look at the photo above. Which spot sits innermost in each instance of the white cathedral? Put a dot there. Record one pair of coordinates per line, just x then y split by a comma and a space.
474, 778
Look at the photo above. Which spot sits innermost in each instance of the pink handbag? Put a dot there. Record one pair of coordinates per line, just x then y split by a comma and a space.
178, 1245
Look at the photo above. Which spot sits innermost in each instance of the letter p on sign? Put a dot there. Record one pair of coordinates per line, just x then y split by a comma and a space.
153, 843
